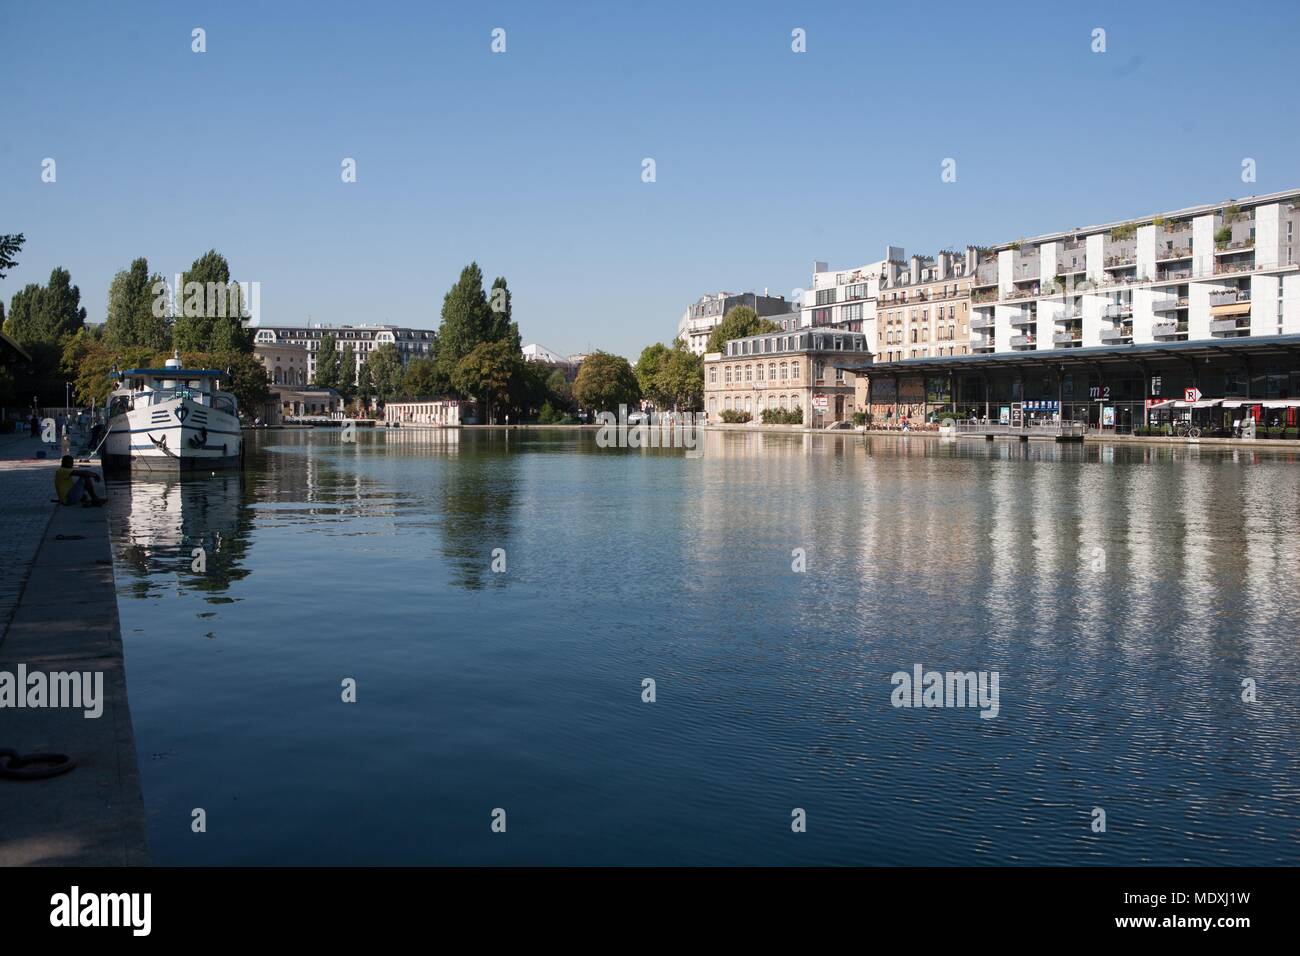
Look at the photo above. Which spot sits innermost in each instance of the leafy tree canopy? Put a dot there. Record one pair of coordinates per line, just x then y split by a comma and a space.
736, 324
9, 247
488, 373
604, 382
133, 318
44, 314
209, 307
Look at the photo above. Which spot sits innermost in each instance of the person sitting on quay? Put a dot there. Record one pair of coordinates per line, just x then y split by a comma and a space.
75, 485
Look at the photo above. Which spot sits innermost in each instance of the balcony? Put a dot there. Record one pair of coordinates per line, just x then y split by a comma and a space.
1228, 248
982, 348
1168, 329
991, 295
1118, 310
1234, 325
1170, 304
1066, 338
981, 322
1022, 319
1119, 335
1173, 275
1229, 297
1021, 294
1229, 268
1178, 252
1023, 342
1122, 261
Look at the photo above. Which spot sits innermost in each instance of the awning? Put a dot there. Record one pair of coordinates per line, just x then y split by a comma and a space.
1279, 403
1203, 403
1232, 308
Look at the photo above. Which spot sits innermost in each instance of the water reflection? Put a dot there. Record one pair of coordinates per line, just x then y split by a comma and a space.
157, 524
1122, 592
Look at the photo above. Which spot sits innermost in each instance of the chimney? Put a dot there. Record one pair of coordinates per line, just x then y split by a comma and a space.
915, 269
944, 264
972, 259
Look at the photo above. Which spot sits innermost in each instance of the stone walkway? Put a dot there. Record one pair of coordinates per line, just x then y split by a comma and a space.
26, 503
60, 614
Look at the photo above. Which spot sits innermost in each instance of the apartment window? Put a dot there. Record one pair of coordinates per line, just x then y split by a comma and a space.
760, 371
785, 371
819, 370
728, 375
858, 291
771, 371
825, 296
821, 316
851, 313
839, 374
713, 375
794, 370
749, 373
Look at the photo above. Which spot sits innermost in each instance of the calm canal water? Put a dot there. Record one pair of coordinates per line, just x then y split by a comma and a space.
1120, 687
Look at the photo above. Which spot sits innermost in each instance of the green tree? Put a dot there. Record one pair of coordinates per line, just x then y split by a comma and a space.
44, 314
648, 367
488, 373
347, 386
604, 382
424, 379
88, 361
208, 309
560, 392
384, 371
365, 386
328, 372
680, 381
133, 316
736, 324
501, 324
9, 247
466, 320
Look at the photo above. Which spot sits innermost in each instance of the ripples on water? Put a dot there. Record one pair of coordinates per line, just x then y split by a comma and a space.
1120, 688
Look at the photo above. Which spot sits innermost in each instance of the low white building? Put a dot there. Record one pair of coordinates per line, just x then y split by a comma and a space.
444, 413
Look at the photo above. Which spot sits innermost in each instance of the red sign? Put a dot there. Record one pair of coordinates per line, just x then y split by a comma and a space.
1192, 394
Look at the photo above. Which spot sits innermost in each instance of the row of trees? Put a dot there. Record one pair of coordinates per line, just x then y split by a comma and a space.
476, 352
141, 328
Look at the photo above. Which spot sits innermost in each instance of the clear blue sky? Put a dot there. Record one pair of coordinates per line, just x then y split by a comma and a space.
530, 162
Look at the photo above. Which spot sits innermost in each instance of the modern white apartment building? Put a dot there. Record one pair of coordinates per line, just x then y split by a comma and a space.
846, 298
364, 339
704, 315
1218, 271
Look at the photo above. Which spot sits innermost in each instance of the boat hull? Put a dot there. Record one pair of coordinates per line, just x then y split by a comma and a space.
173, 436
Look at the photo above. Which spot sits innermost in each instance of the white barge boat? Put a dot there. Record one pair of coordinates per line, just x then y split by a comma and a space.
172, 419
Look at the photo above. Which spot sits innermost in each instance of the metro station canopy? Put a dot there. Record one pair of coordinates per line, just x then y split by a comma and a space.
1245, 350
